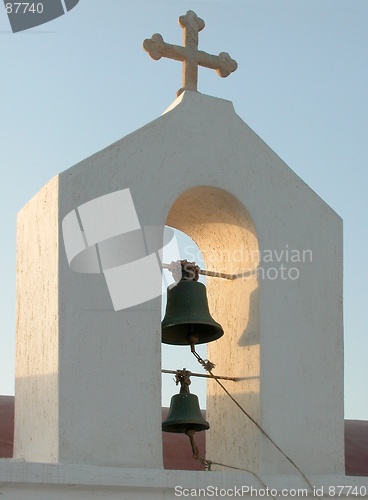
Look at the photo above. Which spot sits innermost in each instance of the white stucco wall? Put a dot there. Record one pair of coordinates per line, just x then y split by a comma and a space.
283, 337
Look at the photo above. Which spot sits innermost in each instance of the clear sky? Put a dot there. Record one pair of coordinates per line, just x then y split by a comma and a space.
76, 84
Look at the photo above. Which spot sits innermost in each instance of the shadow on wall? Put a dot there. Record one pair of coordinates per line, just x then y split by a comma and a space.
250, 335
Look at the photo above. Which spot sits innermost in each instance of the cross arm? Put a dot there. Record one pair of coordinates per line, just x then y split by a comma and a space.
223, 63
156, 47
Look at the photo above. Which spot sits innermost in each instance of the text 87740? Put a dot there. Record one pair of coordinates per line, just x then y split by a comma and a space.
24, 7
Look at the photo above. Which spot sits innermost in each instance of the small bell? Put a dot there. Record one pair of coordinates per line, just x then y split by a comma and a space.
187, 318
184, 413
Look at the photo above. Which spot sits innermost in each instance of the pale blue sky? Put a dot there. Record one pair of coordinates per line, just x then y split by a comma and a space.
75, 85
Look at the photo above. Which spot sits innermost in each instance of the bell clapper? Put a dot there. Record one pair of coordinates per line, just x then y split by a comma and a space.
192, 338
190, 433
207, 463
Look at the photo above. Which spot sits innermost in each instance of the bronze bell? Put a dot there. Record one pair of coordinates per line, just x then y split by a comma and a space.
184, 413
187, 319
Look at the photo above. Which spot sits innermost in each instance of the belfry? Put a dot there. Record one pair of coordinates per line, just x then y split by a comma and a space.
88, 417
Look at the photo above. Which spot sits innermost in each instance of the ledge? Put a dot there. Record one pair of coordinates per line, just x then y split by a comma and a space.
26, 473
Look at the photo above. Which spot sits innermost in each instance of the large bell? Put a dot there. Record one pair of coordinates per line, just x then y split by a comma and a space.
187, 319
184, 415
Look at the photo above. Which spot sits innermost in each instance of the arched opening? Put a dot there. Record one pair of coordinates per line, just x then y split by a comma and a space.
176, 447
178, 357
224, 232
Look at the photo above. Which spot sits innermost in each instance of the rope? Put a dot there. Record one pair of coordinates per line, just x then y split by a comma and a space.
208, 463
244, 470
209, 366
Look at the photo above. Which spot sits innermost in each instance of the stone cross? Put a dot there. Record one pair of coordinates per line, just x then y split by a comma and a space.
189, 53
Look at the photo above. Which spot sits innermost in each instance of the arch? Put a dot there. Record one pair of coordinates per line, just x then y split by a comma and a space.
223, 230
